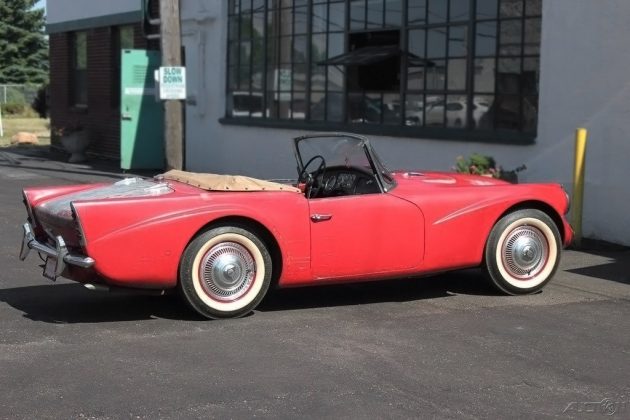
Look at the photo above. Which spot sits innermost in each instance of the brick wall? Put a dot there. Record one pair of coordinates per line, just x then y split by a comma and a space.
101, 117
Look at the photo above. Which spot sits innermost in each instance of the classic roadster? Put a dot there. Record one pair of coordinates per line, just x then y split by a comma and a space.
223, 240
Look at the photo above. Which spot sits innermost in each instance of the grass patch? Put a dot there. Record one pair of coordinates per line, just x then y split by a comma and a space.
13, 125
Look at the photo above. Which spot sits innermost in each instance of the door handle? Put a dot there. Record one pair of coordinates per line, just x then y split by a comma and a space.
320, 217
126, 117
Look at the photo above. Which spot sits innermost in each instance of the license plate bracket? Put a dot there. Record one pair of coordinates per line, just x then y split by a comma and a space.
50, 268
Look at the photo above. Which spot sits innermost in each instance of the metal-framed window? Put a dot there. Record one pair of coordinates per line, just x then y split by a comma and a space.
78, 63
417, 68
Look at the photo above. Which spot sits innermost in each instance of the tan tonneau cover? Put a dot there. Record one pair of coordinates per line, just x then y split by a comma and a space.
214, 182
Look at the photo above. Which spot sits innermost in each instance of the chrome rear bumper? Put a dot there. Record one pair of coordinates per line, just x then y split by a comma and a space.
60, 253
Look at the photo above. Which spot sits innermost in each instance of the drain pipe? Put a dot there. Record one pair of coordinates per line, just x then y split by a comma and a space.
581, 135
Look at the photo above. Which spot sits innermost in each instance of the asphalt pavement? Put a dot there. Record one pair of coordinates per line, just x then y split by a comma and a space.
446, 346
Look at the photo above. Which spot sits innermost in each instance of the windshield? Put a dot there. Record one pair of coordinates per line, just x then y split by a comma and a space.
341, 150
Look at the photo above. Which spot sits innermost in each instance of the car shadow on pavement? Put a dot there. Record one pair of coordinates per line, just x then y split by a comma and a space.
465, 282
72, 303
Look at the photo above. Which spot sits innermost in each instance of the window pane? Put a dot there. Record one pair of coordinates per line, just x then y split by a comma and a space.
437, 11
482, 108
530, 113
336, 44
486, 39
244, 50
530, 76
299, 49
434, 112
258, 5
414, 110
243, 78
436, 76
357, 14
487, 9
258, 22
417, 11
337, 17
372, 108
484, 74
507, 112
393, 13
459, 10
284, 105
318, 106
80, 51
508, 75
456, 112
300, 20
415, 78
334, 107
391, 109
299, 77
532, 36
510, 40
457, 74
416, 42
336, 78
286, 21
320, 18
298, 106
285, 78
126, 34
233, 25
436, 44
511, 8
318, 48
375, 13
458, 41
533, 7
246, 26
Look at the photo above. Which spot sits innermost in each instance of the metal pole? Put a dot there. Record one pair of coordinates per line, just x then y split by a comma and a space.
581, 135
171, 46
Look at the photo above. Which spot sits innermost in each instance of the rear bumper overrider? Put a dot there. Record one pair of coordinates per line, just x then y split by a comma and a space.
60, 252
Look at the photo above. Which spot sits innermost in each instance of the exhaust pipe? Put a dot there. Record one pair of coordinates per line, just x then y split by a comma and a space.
113, 289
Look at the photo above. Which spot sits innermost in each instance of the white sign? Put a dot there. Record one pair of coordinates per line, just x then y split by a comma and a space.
172, 82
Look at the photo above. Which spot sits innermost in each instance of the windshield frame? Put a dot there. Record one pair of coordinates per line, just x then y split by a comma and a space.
382, 174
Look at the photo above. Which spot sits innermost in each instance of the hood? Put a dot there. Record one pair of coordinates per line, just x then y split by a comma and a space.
444, 179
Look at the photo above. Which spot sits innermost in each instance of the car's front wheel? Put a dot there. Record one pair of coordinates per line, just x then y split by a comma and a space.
225, 272
523, 252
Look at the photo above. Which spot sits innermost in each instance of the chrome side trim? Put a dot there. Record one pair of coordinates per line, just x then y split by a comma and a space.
60, 252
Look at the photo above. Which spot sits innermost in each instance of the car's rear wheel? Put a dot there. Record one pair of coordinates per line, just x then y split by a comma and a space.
523, 252
225, 272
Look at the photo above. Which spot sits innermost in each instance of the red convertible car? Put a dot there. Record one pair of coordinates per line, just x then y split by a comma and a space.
223, 240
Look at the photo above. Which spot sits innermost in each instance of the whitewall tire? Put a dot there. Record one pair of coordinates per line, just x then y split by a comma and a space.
225, 272
523, 252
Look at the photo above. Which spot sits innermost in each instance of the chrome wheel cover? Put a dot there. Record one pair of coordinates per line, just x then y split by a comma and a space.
227, 271
525, 252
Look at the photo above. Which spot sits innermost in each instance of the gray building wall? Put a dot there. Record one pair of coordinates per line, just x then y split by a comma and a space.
584, 82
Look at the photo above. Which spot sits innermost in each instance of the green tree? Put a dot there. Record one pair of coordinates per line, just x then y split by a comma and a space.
23, 45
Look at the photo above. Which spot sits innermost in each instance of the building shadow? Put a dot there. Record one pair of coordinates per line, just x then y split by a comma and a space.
616, 269
37, 158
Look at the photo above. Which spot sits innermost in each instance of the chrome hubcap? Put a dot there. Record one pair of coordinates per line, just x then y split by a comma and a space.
525, 252
227, 271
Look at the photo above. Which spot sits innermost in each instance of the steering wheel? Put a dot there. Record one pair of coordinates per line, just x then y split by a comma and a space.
310, 177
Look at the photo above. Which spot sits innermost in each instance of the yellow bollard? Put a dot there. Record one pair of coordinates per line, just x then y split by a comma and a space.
578, 185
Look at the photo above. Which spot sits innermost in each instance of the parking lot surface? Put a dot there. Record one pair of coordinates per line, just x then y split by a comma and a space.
446, 346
